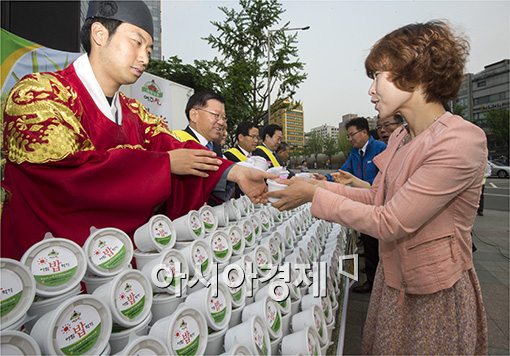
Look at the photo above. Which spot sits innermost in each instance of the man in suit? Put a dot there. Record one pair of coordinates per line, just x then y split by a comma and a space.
205, 111
247, 135
271, 138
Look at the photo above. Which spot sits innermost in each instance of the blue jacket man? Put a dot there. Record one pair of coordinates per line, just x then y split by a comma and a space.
364, 168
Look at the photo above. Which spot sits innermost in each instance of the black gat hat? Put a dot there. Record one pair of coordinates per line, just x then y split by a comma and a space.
134, 12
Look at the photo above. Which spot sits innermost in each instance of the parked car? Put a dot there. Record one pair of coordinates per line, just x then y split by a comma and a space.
499, 170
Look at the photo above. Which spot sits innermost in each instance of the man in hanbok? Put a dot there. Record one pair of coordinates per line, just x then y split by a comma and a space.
79, 153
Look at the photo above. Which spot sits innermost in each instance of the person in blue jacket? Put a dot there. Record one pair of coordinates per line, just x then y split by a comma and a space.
360, 164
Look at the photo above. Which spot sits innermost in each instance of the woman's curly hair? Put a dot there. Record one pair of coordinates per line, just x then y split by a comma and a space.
428, 54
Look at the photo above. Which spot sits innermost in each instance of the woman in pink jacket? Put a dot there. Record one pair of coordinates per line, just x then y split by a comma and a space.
426, 298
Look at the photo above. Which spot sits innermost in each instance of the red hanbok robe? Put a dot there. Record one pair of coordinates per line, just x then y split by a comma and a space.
69, 167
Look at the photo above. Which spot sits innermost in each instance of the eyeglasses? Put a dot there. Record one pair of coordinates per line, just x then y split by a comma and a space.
253, 137
386, 125
351, 135
214, 114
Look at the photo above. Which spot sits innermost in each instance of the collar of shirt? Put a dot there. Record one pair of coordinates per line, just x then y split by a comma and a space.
273, 152
203, 141
86, 74
244, 152
364, 148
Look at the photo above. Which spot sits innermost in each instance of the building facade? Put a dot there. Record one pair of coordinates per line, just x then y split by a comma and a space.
291, 120
155, 9
482, 92
326, 131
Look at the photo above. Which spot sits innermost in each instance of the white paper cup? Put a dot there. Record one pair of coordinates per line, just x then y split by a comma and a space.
198, 255
120, 337
215, 342
264, 292
304, 342
281, 172
18, 291
261, 258
58, 265
313, 317
257, 226
275, 345
144, 345
142, 258
184, 332
237, 294
93, 282
163, 275
247, 230
305, 175
258, 162
238, 350
235, 234
108, 250
252, 334
41, 306
17, 343
189, 227
216, 309
273, 186
269, 312
155, 235
236, 317
265, 219
286, 324
221, 214
208, 218
129, 297
220, 246
322, 302
273, 245
233, 212
164, 304
85, 317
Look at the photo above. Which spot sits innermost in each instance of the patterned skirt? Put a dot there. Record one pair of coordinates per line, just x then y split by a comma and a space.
449, 322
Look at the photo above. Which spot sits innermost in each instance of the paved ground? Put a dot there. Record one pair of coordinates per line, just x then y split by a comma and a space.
491, 236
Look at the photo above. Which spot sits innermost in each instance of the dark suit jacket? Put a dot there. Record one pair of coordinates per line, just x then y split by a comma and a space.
230, 156
216, 148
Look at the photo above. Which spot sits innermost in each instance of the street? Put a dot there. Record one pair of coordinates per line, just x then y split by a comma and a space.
497, 192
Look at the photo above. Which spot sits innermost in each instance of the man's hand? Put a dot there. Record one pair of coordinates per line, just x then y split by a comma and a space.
347, 178
251, 181
297, 193
319, 176
193, 162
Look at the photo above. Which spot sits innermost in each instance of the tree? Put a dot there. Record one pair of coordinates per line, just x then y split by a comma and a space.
198, 76
314, 145
242, 64
344, 144
330, 146
498, 122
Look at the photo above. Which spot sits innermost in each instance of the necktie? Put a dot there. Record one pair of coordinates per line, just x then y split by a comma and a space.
361, 154
210, 146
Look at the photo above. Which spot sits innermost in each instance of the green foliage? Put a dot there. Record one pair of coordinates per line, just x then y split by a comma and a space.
330, 146
343, 144
498, 122
197, 76
239, 72
459, 109
314, 145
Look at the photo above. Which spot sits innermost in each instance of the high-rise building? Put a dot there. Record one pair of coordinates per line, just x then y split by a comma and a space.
155, 9
326, 131
291, 120
482, 92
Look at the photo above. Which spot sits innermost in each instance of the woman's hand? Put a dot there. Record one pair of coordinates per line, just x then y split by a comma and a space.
186, 161
297, 193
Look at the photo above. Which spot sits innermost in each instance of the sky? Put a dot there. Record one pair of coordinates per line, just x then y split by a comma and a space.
339, 39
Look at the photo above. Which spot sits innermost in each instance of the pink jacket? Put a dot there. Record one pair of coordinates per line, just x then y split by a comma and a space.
421, 207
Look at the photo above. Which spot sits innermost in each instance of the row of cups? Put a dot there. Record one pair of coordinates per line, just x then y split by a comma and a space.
102, 291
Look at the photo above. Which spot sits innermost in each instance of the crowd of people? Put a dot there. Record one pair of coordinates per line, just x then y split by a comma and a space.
81, 153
